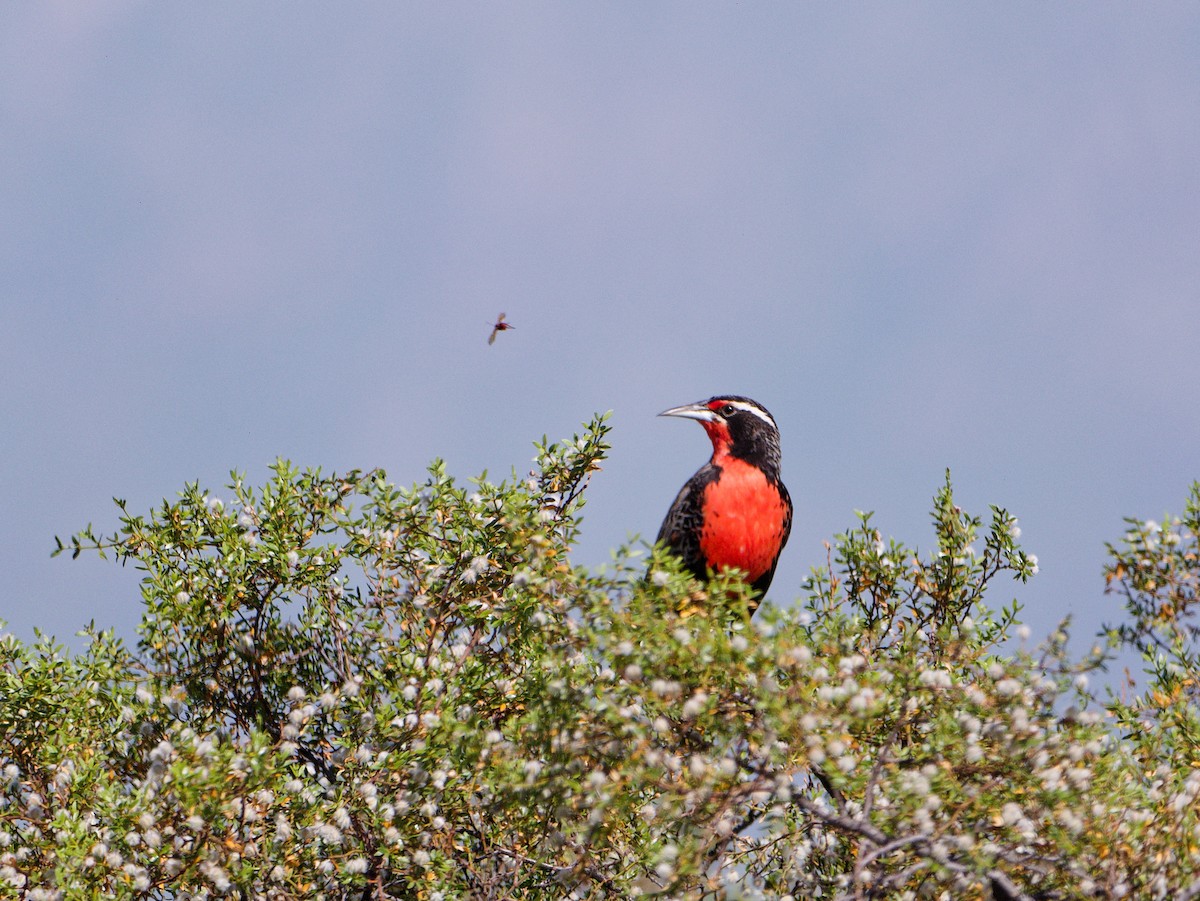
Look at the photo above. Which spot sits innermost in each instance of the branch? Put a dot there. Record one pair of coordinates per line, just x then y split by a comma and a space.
1003, 888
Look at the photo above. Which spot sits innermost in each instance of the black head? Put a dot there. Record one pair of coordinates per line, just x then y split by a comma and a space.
738, 426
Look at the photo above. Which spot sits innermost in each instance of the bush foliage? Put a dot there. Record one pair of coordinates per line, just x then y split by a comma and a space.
346, 689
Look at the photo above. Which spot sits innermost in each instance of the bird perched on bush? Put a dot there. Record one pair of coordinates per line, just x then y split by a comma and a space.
734, 513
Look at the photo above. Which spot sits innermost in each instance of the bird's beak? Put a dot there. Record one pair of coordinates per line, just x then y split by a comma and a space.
699, 412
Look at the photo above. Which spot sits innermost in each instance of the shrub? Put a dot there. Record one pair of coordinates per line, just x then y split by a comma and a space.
346, 689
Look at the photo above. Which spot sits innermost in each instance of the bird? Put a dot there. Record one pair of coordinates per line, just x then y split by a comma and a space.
735, 512
498, 326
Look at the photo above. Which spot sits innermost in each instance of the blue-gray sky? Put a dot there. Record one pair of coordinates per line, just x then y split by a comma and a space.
924, 235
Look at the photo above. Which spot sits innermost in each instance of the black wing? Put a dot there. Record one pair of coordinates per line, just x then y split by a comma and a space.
680, 531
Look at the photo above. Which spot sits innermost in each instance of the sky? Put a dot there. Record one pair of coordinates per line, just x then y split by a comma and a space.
925, 236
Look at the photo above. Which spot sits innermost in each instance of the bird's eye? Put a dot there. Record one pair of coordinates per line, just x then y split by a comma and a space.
728, 410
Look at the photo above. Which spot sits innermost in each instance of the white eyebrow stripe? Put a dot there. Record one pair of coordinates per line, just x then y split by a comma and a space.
755, 409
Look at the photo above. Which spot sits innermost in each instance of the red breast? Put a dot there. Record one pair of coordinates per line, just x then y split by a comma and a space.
744, 519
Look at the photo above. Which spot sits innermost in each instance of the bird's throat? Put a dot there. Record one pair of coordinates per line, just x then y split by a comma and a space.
722, 441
